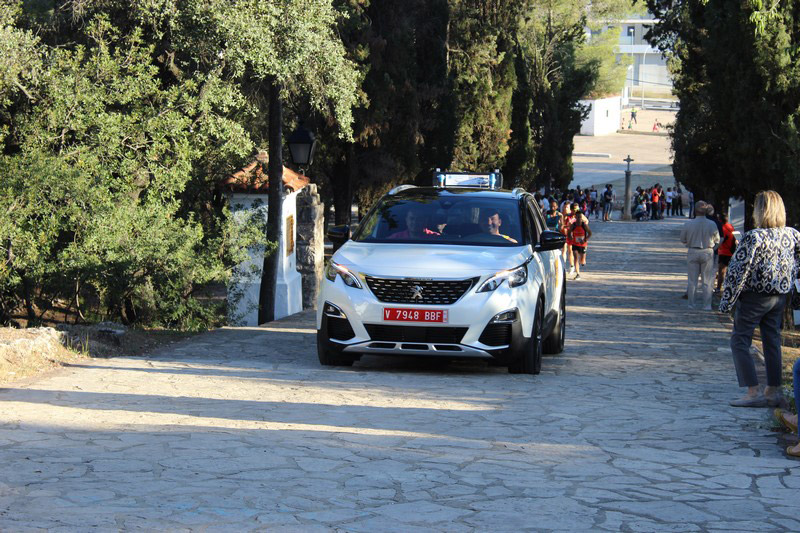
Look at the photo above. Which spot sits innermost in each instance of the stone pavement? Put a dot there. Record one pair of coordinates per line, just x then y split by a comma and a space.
241, 429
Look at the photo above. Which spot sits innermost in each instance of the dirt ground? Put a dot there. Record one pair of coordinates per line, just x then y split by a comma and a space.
83, 342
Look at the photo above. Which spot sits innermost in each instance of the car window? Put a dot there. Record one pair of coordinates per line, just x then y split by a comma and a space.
537, 223
456, 219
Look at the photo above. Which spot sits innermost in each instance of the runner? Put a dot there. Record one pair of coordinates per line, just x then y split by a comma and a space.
566, 221
553, 218
579, 234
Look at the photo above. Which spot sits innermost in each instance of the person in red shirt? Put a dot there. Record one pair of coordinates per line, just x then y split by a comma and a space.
578, 236
655, 203
567, 219
725, 250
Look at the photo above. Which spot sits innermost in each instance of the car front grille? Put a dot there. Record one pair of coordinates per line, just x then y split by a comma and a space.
431, 334
496, 335
419, 291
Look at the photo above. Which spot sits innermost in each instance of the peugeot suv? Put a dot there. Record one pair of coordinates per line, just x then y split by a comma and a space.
455, 272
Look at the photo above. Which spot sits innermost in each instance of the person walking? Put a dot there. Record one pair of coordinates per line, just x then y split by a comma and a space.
691, 204
701, 237
759, 278
633, 115
579, 234
608, 202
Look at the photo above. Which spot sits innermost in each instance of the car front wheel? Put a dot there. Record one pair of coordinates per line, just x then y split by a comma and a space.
328, 357
530, 360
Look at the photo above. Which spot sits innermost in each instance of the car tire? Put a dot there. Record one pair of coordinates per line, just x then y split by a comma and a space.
530, 360
328, 357
554, 344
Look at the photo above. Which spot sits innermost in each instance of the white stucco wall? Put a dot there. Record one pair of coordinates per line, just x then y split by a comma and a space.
243, 311
604, 116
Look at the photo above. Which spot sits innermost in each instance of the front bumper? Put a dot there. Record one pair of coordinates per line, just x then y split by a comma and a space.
357, 327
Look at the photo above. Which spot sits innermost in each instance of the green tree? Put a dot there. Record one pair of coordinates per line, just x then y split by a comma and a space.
140, 109
737, 128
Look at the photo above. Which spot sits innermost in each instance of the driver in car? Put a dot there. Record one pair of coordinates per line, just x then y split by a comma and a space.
416, 226
490, 222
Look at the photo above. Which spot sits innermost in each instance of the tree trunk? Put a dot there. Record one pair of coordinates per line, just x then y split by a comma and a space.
27, 292
269, 272
343, 188
749, 199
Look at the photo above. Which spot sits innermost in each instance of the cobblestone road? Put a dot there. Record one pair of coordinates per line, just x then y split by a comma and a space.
239, 429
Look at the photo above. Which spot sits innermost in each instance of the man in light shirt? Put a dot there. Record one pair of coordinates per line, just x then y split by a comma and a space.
701, 237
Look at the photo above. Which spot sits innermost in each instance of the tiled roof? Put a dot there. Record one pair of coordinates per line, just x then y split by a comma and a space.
253, 178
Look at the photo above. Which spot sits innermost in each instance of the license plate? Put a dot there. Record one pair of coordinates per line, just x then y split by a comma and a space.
414, 315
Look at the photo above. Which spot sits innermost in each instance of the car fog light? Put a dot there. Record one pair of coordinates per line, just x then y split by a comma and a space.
331, 310
505, 317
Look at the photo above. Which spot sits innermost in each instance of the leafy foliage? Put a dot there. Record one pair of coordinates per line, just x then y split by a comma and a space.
111, 160
737, 128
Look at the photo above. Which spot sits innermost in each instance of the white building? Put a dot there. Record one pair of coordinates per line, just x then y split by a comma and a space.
648, 70
248, 195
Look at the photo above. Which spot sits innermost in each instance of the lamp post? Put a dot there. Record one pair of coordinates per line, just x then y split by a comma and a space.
301, 147
626, 214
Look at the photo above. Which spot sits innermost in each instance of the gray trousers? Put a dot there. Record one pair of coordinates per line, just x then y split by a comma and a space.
700, 263
764, 310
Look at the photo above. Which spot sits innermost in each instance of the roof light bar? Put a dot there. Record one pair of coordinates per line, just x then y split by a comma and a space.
490, 180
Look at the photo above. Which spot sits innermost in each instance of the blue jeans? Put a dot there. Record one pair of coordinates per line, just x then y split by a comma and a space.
757, 310
796, 382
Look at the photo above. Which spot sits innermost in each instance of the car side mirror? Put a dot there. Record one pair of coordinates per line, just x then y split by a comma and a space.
550, 240
339, 234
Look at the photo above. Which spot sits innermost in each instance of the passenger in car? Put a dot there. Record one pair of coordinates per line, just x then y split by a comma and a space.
416, 226
490, 222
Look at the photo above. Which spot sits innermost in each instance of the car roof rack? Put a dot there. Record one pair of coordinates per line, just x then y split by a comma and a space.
483, 180
401, 188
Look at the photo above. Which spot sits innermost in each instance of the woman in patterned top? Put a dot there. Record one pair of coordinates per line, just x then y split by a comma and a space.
759, 278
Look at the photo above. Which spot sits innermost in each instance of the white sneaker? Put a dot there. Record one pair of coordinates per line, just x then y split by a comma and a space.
577, 276
572, 270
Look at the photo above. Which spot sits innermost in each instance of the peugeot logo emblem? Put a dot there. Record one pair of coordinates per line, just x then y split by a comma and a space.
416, 292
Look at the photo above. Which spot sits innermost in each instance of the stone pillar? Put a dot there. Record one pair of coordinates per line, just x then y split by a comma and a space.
310, 243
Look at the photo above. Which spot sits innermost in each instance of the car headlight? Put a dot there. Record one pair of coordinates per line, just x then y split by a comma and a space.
349, 278
515, 276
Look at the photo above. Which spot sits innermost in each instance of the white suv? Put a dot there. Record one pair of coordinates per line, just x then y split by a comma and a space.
455, 272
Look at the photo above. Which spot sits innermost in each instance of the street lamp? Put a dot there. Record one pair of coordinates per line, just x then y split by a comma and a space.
301, 147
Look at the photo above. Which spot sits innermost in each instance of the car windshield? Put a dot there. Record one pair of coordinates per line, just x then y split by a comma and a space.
450, 219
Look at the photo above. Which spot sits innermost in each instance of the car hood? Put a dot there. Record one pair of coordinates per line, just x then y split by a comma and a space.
428, 260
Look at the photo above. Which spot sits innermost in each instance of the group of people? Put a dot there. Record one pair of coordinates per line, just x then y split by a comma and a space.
573, 223
655, 203
591, 202
756, 279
